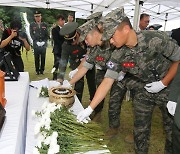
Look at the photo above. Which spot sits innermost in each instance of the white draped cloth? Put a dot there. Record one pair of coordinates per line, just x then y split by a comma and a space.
12, 137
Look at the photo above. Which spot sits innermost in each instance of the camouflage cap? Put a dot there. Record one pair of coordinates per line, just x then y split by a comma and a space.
69, 30
95, 16
111, 21
86, 28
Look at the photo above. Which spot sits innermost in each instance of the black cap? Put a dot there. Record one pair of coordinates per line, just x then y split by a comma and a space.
37, 13
69, 30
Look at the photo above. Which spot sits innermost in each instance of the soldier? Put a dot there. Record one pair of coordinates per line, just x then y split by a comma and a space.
74, 52
174, 109
174, 97
147, 55
99, 56
58, 41
39, 34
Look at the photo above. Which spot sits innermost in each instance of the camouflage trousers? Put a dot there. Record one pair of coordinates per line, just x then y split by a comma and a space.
117, 94
144, 104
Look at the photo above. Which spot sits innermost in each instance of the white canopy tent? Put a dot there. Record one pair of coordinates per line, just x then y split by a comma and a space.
160, 10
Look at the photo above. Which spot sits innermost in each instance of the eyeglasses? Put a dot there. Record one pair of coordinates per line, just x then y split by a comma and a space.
36, 16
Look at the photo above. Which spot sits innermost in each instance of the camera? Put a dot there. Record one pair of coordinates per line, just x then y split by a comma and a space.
21, 34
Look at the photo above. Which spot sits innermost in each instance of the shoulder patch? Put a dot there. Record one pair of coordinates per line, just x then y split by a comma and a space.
110, 64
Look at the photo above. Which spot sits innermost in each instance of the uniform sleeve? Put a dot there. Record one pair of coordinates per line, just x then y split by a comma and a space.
55, 35
31, 32
113, 65
63, 62
46, 33
88, 65
90, 58
170, 48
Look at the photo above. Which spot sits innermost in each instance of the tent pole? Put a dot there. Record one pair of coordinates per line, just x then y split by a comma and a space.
91, 8
138, 4
165, 21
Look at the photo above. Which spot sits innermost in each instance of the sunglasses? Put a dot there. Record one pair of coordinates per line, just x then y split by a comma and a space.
36, 16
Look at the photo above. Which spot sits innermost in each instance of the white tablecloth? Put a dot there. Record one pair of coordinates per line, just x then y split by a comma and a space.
35, 103
12, 137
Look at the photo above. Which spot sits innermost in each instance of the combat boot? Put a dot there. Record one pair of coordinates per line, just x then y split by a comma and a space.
111, 132
129, 139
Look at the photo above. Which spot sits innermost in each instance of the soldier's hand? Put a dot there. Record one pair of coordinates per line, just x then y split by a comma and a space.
83, 115
171, 106
72, 73
155, 87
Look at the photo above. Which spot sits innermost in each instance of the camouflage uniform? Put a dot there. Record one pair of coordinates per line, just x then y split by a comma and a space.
39, 33
149, 61
99, 57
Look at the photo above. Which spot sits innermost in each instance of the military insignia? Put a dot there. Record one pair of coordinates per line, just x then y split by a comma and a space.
75, 51
110, 64
86, 57
99, 58
128, 64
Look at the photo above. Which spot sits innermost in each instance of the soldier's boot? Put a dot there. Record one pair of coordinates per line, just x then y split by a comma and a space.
97, 117
129, 139
111, 132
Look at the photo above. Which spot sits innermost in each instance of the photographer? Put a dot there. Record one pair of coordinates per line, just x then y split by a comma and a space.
12, 40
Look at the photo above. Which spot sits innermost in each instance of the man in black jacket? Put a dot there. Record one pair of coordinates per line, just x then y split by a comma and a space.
176, 35
58, 41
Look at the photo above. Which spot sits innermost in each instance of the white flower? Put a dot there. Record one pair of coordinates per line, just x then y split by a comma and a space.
54, 134
59, 106
43, 92
39, 144
37, 128
35, 151
44, 106
55, 148
33, 113
39, 91
41, 138
47, 141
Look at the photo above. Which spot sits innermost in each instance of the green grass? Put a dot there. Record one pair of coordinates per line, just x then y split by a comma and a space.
117, 144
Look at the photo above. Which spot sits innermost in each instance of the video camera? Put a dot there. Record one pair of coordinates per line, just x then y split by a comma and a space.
21, 34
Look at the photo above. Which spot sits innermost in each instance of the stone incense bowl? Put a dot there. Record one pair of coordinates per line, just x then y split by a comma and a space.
63, 96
